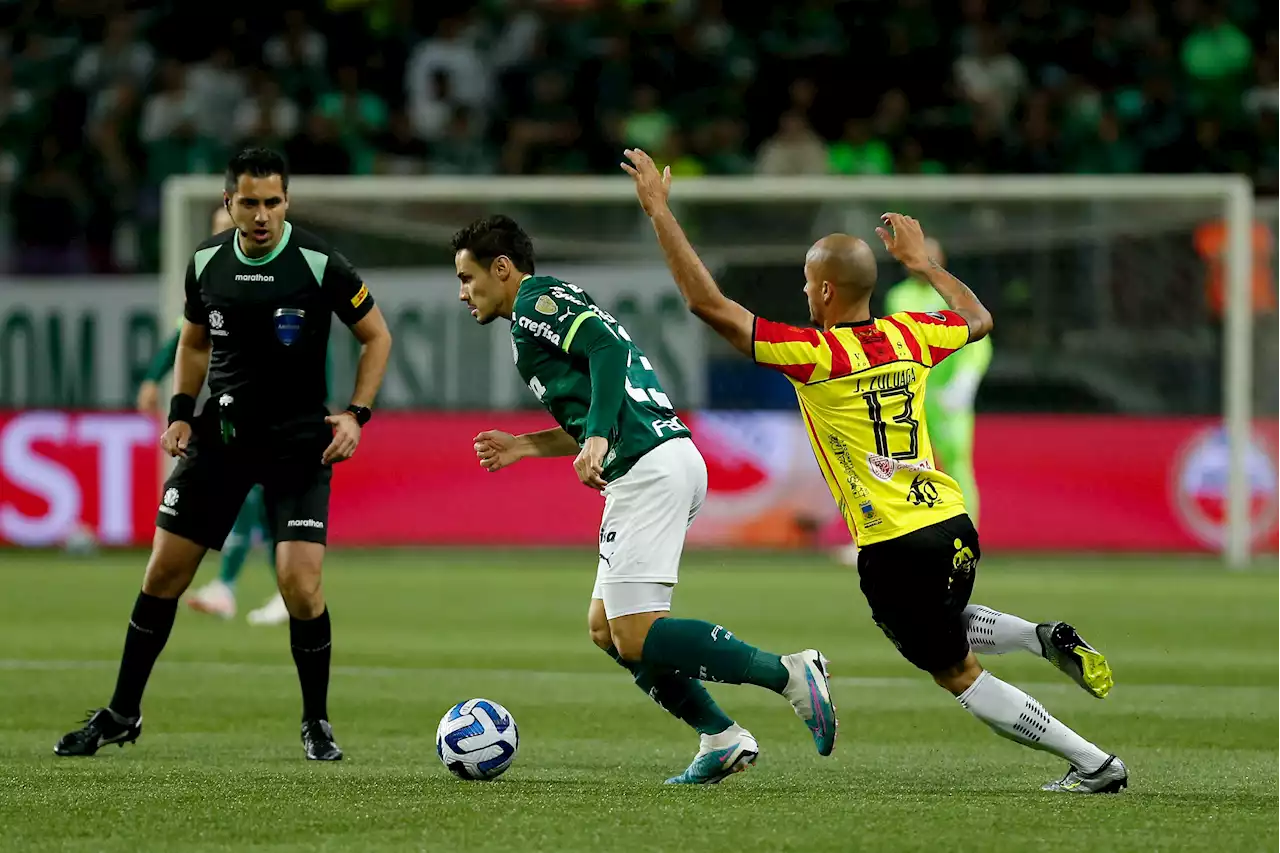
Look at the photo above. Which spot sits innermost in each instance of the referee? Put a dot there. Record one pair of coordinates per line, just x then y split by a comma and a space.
259, 299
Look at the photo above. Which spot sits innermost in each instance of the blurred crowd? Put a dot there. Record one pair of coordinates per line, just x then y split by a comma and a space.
101, 100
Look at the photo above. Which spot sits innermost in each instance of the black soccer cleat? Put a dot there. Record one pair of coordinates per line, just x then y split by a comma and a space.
317, 739
102, 727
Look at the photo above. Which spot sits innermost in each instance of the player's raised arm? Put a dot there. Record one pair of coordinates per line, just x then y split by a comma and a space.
701, 293
904, 238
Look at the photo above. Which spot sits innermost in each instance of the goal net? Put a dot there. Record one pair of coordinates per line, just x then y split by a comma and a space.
1137, 295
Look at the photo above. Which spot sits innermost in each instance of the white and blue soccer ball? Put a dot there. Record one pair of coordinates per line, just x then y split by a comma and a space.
477, 739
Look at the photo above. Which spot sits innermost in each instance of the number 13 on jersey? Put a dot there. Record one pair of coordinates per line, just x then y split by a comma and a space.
897, 406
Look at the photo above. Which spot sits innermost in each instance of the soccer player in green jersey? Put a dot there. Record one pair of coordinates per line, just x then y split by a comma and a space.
953, 385
628, 443
218, 597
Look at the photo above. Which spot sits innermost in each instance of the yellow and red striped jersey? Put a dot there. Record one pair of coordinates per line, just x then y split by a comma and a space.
861, 389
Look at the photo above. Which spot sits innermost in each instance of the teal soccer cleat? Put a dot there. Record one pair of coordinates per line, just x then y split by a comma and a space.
731, 751
810, 696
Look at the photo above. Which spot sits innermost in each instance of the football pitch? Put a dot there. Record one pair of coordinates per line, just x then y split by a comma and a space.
219, 766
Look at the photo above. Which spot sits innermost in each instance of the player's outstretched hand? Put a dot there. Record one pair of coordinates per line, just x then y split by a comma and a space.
590, 462
651, 188
346, 437
496, 449
176, 438
904, 238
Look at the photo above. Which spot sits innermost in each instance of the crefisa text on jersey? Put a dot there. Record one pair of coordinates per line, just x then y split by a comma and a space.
539, 330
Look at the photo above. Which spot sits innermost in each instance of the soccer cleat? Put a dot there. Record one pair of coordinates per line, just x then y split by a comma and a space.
1068, 651
721, 755
273, 612
810, 696
102, 727
1111, 778
317, 739
214, 598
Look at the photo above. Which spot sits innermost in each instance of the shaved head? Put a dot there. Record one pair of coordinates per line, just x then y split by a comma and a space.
839, 274
845, 262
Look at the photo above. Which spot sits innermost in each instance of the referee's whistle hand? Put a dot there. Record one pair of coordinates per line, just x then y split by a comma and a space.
346, 437
175, 439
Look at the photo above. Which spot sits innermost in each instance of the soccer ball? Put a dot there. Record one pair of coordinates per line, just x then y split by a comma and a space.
477, 739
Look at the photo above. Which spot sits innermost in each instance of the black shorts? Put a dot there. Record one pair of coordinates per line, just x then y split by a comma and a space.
918, 586
203, 495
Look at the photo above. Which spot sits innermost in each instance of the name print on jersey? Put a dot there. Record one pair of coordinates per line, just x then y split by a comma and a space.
887, 381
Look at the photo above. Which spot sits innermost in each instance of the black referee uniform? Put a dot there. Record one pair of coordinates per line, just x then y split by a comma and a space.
268, 320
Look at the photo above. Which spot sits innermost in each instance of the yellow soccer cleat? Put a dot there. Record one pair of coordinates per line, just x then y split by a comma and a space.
1067, 650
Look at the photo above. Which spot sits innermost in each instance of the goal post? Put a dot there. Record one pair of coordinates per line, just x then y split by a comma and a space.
1110, 237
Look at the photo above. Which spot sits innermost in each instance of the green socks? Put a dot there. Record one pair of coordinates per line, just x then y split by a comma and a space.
234, 552
681, 697
711, 653
240, 541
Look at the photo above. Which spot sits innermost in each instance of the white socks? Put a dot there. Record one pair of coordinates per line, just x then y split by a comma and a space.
1015, 715
994, 633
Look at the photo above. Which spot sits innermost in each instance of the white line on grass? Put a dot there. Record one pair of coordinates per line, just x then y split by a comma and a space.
1223, 693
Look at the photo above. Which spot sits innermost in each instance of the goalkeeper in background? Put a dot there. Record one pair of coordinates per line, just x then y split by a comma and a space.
953, 386
218, 597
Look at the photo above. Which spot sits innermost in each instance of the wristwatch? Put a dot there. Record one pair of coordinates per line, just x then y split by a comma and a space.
362, 413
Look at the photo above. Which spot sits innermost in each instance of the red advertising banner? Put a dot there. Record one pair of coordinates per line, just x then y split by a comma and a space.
61, 473
1077, 483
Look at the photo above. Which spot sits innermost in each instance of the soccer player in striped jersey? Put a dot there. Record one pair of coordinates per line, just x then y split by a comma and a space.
861, 383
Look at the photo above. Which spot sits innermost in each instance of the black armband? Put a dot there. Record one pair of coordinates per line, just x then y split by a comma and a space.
182, 407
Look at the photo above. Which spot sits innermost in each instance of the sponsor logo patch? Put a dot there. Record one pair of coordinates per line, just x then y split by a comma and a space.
883, 468
539, 330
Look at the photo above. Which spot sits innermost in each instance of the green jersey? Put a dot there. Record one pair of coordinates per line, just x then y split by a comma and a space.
588, 373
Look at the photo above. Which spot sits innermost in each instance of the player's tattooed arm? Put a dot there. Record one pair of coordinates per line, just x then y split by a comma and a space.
497, 450
904, 238
701, 294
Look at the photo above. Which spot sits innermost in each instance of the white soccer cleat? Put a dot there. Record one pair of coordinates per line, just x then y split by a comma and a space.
810, 696
1111, 778
720, 756
214, 598
272, 613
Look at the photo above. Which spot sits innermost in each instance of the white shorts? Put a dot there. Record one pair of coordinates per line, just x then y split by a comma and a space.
646, 514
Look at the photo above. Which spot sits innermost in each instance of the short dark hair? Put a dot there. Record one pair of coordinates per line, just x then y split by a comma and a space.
493, 236
257, 163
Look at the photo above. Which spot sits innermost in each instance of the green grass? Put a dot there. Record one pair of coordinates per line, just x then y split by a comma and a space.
219, 766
